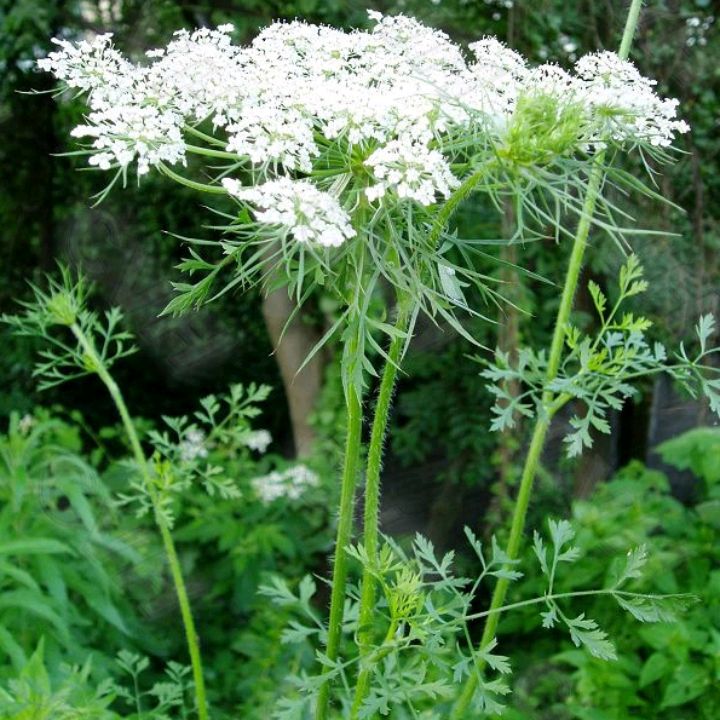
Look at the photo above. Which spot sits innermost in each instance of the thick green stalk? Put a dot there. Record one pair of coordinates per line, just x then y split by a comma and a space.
549, 406
344, 531
353, 386
372, 501
375, 450
168, 543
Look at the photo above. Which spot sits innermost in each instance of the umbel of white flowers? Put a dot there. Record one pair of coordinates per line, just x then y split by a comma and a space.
396, 98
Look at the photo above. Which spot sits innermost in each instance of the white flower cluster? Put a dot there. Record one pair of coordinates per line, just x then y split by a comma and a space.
412, 170
627, 101
291, 483
308, 214
193, 445
697, 29
131, 116
395, 93
258, 440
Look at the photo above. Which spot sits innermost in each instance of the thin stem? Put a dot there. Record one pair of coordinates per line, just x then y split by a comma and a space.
630, 27
375, 451
168, 543
204, 136
209, 152
344, 530
568, 595
372, 501
201, 187
447, 210
545, 413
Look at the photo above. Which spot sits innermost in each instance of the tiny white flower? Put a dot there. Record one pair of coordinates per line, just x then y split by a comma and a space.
258, 440
291, 483
309, 215
193, 446
26, 423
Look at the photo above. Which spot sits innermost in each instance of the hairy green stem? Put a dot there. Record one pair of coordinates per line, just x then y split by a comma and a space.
344, 531
549, 401
375, 451
372, 500
353, 387
168, 543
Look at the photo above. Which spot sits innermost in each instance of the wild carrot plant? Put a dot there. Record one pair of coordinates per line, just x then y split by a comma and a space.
90, 345
346, 156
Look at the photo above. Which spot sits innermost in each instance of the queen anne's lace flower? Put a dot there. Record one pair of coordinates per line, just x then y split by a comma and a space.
625, 103
395, 93
125, 132
271, 134
497, 76
297, 206
87, 65
411, 170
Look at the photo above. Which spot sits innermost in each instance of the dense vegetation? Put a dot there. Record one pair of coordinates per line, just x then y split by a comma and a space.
230, 463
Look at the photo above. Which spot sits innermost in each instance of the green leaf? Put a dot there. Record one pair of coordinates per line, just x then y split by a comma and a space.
704, 329
35, 671
13, 649
500, 663
688, 682
35, 546
561, 532
655, 667
598, 298
37, 605
540, 552
634, 563
656, 609
585, 632
697, 450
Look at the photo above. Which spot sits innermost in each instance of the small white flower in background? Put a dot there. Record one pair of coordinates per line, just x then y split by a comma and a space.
258, 440
291, 483
697, 29
193, 446
507, 4
26, 423
308, 214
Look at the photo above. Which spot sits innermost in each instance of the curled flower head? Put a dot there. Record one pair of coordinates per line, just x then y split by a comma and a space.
309, 215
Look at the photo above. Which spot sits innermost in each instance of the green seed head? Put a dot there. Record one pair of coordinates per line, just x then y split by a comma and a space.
542, 128
62, 308
407, 595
